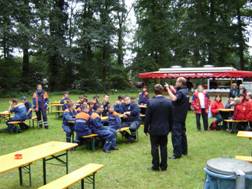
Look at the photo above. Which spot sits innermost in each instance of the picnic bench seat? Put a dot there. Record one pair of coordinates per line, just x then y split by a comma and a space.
15, 122
232, 126
93, 137
32, 121
86, 172
58, 113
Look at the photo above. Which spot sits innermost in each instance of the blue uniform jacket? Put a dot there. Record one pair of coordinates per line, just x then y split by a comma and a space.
68, 116
28, 106
118, 108
64, 102
114, 120
40, 99
96, 123
19, 112
81, 126
181, 105
143, 99
134, 112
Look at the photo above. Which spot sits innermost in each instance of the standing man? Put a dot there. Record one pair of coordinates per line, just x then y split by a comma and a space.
158, 123
40, 103
180, 101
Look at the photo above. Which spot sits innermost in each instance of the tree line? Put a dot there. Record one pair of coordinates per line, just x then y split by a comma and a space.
80, 44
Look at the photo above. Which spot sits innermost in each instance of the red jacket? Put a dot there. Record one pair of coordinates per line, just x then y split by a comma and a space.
215, 106
196, 102
249, 110
240, 112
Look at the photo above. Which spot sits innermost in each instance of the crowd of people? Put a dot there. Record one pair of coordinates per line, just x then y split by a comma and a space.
162, 115
239, 100
85, 117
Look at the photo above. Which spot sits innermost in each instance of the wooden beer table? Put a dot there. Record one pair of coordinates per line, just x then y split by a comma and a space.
46, 151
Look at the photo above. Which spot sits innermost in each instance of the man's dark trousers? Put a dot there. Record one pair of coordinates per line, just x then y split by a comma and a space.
179, 139
159, 143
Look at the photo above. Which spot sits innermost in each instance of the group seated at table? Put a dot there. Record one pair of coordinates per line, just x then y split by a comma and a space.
242, 110
87, 117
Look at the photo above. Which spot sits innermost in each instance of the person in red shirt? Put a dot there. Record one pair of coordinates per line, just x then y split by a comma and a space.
240, 108
215, 106
249, 108
200, 105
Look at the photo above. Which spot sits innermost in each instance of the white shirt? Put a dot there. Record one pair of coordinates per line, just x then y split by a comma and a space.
202, 100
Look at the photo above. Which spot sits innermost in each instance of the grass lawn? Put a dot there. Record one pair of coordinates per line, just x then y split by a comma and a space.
128, 167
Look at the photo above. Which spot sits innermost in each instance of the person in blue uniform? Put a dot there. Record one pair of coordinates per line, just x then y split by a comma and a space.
28, 106
105, 133
118, 107
114, 121
40, 103
19, 111
82, 125
158, 123
105, 105
131, 117
92, 107
69, 121
143, 98
65, 100
180, 101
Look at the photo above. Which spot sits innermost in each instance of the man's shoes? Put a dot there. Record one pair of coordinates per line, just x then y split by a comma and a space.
175, 157
106, 151
46, 127
153, 169
114, 148
163, 169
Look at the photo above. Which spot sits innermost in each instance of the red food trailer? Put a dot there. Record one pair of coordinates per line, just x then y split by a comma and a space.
216, 79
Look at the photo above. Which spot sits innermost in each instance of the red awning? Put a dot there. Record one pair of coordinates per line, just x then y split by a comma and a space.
173, 75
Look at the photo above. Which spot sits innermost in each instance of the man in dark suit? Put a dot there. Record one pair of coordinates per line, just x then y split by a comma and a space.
158, 123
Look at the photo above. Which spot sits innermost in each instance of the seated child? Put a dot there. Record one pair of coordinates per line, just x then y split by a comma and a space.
114, 121
131, 117
69, 116
82, 127
118, 107
28, 106
105, 105
215, 106
64, 100
143, 97
20, 112
105, 133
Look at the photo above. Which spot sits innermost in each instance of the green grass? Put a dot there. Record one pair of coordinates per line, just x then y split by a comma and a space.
126, 168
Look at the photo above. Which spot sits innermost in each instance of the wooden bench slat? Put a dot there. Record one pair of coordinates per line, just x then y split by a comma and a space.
15, 122
245, 134
244, 158
60, 111
90, 136
123, 129
73, 177
235, 121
